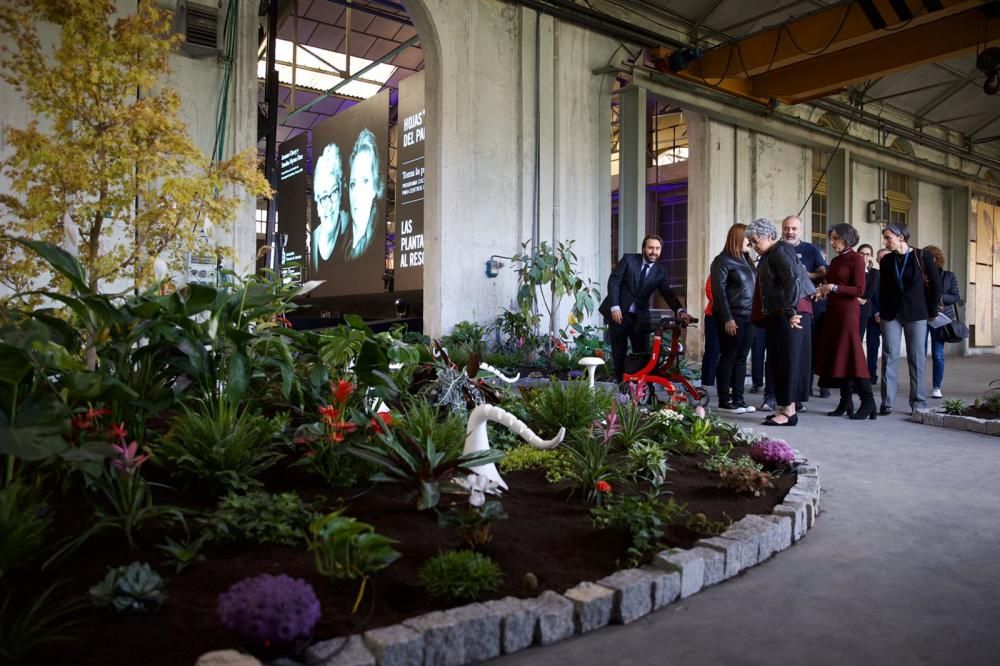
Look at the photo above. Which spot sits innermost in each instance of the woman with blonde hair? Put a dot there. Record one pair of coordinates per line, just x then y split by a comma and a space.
950, 298
732, 279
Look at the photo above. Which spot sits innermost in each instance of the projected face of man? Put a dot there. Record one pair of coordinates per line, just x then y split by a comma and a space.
361, 189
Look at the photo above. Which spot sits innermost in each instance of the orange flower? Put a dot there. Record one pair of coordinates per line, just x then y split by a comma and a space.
602, 487
377, 423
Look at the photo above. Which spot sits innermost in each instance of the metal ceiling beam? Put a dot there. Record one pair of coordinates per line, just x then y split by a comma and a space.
976, 130
374, 11
705, 15
945, 96
832, 28
358, 74
948, 37
911, 91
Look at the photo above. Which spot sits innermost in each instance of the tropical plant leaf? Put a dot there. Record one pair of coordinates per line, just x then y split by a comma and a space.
59, 259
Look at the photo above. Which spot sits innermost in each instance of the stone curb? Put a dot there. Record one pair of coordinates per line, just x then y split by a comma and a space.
937, 417
482, 631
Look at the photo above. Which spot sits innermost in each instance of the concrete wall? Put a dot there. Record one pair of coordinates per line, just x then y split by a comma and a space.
482, 71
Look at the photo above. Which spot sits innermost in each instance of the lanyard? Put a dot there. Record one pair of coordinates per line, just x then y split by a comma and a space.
900, 269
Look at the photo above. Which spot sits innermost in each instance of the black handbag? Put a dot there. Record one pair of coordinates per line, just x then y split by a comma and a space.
955, 331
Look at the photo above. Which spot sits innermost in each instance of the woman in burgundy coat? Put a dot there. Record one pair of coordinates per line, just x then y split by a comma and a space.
840, 358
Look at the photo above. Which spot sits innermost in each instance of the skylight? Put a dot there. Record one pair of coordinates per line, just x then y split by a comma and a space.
320, 75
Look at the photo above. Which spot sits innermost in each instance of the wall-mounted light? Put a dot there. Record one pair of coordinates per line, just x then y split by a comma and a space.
493, 266
402, 307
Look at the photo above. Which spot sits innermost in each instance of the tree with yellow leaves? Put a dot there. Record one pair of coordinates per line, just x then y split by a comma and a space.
113, 177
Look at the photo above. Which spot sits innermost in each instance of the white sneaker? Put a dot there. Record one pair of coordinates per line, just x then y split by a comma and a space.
731, 409
936, 393
747, 409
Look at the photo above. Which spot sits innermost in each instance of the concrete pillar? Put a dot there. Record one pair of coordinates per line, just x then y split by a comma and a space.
632, 182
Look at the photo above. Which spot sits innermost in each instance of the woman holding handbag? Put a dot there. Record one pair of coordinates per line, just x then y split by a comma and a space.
950, 298
909, 293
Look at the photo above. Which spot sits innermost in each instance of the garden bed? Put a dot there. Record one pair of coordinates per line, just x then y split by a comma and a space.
974, 420
548, 534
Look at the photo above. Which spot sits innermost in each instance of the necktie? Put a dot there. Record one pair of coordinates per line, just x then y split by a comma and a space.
642, 275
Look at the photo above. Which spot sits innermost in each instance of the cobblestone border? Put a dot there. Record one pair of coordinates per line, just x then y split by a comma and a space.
937, 417
481, 631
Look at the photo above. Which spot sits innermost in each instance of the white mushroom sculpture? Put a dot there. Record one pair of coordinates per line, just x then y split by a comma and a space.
591, 363
477, 439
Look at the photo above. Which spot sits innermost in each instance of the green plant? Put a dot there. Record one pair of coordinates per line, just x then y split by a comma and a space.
565, 404
418, 464
42, 622
460, 575
24, 524
347, 548
955, 406
635, 425
697, 438
526, 457
261, 517
546, 274
221, 445
135, 588
644, 516
472, 523
422, 421
588, 463
648, 462
518, 332
467, 336
184, 553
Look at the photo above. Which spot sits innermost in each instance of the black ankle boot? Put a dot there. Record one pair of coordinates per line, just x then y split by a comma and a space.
867, 410
845, 406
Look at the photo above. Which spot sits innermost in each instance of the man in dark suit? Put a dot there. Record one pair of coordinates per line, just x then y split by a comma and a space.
626, 307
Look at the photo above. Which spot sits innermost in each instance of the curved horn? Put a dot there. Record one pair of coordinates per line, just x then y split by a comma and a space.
489, 368
477, 439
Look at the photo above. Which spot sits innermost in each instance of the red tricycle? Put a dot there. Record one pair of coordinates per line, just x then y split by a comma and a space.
664, 371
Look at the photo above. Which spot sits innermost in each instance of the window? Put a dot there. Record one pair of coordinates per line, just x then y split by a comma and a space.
820, 198
897, 191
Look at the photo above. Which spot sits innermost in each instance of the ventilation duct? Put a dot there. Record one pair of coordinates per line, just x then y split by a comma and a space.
199, 24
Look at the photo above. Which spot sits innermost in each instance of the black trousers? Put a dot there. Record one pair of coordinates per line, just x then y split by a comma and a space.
732, 371
788, 355
710, 359
873, 340
633, 329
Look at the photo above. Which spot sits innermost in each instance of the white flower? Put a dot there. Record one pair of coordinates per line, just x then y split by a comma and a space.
478, 487
160, 269
209, 228
71, 235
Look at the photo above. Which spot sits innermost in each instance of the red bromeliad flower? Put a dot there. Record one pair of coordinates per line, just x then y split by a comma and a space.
118, 431
377, 423
329, 414
603, 487
342, 391
94, 413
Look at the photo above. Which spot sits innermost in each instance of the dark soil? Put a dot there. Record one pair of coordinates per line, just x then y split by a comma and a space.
981, 413
548, 534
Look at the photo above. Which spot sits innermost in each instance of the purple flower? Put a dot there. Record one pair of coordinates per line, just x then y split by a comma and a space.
267, 609
575, 374
772, 452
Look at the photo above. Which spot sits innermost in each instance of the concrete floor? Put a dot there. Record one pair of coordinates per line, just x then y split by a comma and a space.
901, 567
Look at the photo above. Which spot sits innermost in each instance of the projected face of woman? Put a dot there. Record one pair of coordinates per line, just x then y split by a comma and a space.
361, 189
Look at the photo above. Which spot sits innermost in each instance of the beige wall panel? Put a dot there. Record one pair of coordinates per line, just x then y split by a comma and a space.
995, 247
972, 261
984, 235
984, 307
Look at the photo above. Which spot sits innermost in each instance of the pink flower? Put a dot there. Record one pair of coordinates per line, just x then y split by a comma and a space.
638, 391
127, 460
699, 411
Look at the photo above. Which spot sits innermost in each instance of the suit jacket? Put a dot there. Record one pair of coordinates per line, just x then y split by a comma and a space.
904, 297
624, 290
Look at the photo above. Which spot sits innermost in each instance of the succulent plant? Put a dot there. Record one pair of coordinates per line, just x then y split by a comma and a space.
772, 452
134, 588
270, 610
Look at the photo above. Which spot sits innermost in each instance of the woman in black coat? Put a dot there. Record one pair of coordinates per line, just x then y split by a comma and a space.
950, 298
733, 277
777, 298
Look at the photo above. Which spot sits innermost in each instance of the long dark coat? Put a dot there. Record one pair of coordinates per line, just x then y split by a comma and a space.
839, 354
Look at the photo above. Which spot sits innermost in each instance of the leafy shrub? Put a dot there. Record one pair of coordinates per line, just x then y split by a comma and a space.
587, 462
566, 404
472, 523
222, 446
772, 452
270, 610
135, 588
697, 438
43, 622
648, 461
422, 421
24, 524
635, 425
460, 575
184, 553
418, 464
745, 476
527, 457
261, 517
643, 516
955, 406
